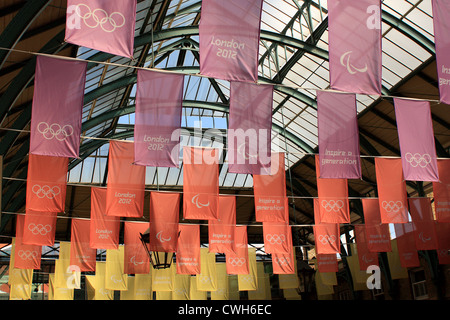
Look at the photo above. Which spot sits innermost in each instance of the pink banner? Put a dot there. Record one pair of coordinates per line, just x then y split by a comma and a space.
355, 45
159, 99
441, 191
338, 135
441, 23
57, 133
102, 25
229, 39
416, 138
249, 128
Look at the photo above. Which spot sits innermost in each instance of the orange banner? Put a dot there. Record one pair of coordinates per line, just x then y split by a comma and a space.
25, 256
164, 217
441, 191
136, 260
270, 192
424, 224
188, 250
277, 237
391, 187
284, 263
200, 183
378, 237
46, 183
81, 254
326, 235
221, 232
126, 182
104, 230
39, 228
327, 263
237, 263
407, 251
366, 258
333, 198
443, 236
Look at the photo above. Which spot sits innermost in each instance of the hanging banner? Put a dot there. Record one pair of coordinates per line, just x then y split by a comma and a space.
424, 224
55, 293
25, 256
407, 250
159, 99
359, 276
200, 183
327, 238
96, 284
270, 192
416, 138
247, 282
106, 26
126, 182
46, 183
333, 198
289, 281
81, 254
277, 237
129, 293
237, 263
365, 256
263, 290
327, 263
322, 288
104, 230
66, 275
250, 128
229, 39
143, 286
207, 278
39, 228
223, 287
20, 292
181, 287
378, 237
163, 279
57, 133
194, 293
136, 258
441, 191
188, 251
355, 66
18, 276
338, 136
115, 278
391, 188
441, 9
283, 263
328, 278
395, 268
221, 232
443, 236
164, 217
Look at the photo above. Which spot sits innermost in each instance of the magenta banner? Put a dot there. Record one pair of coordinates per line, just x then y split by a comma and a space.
441, 23
102, 25
338, 136
354, 34
416, 138
159, 102
229, 39
249, 129
57, 106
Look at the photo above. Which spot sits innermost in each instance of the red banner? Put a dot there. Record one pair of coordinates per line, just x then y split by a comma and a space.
136, 260
270, 192
104, 230
164, 217
284, 263
333, 198
378, 237
188, 250
39, 228
81, 254
326, 235
391, 187
200, 183
424, 224
365, 256
46, 183
221, 232
407, 250
441, 191
327, 262
25, 256
443, 236
277, 237
237, 263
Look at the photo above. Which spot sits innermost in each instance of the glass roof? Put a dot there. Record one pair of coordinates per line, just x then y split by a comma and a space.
297, 71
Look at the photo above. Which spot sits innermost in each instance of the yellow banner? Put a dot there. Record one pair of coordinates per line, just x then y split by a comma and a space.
247, 282
233, 287
263, 290
182, 286
194, 293
96, 284
143, 286
20, 292
289, 281
162, 279
66, 275
18, 276
359, 277
395, 267
222, 292
129, 294
115, 278
207, 279
321, 288
163, 295
291, 294
55, 293
328, 278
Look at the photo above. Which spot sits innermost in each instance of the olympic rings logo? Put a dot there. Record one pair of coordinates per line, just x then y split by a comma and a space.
39, 229
99, 17
392, 206
205, 279
418, 159
55, 131
236, 262
282, 261
332, 205
275, 238
45, 191
27, 254
327, 239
